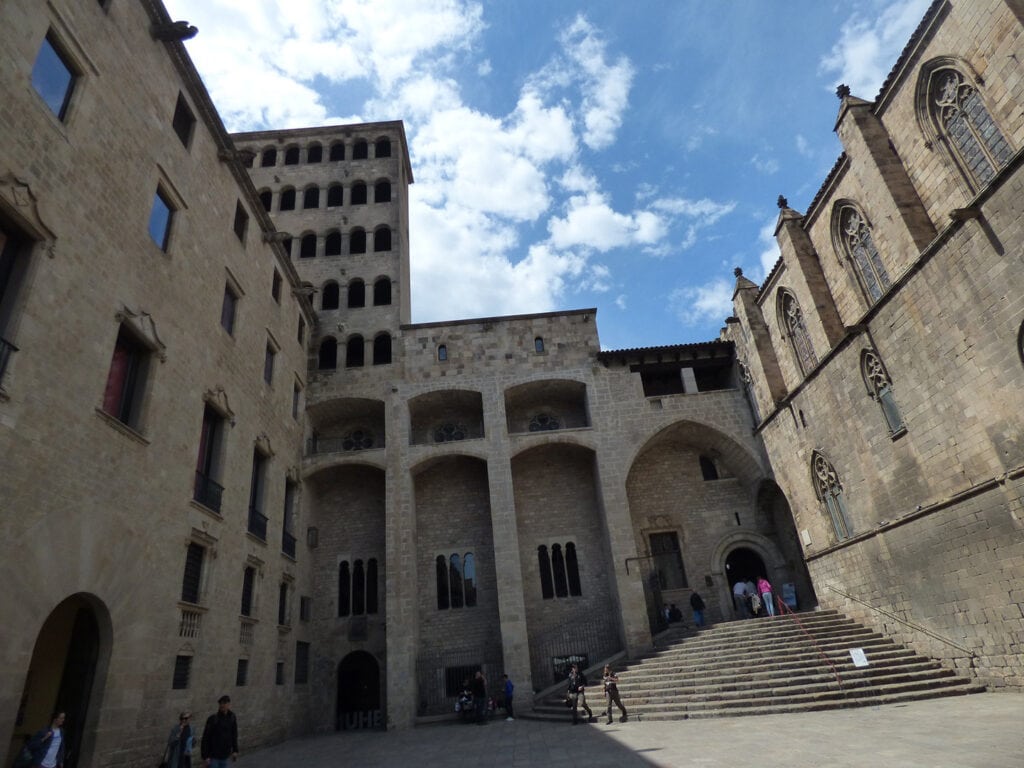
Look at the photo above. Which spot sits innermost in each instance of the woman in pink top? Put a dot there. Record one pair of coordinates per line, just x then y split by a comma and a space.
765, 590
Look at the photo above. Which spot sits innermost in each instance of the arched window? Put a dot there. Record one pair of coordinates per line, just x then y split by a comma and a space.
792, 319
356, 294
382, 192
455, 580
354, 352
708, 470
538, 345
358, 589
442, 352
344, 589
311, 197
544, 422
449, 432
855, 241
382, 292
360, 150
371, 585
572, 569
266, 199
357, 241
959, 114
357, 440
382, 240
335, 195
269, 158
558, 566
382, 349
469, 579
327, 357
547, 589
330, 297
307, 248
291, 156
879, 385
314, 154
332, 244
830, 494
382, 148
441, 575
357, 196
288, 199
337, 151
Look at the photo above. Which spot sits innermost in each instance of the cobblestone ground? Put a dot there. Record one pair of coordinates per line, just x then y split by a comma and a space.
980, 731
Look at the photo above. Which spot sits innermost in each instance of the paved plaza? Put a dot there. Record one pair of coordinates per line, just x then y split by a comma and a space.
980, 731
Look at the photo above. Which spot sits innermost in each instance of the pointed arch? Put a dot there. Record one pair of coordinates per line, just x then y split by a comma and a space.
829, 490
791, 318
853, 241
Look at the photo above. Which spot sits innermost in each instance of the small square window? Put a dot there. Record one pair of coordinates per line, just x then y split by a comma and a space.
268, 365
242, 673
241, 221
228, 309
275, 287
184, 121
182, 670
53, 77
160, 220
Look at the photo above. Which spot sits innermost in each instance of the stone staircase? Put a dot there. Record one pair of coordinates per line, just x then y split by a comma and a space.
766, 665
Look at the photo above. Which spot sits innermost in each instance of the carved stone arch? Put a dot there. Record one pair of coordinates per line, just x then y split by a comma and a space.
854, 243
18, 200
217, 399
793, 324
925, 122
873, 371
144, 328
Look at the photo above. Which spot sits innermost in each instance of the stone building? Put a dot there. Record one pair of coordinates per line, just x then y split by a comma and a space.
229, 461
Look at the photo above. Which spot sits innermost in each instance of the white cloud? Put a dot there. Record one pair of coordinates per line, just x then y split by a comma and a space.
765, 165
591, 222
868, 48
694, 305
699, 213
769, 254
803, 146
620, 301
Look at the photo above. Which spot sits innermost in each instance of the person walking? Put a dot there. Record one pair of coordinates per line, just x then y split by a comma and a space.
741, 598
47, 744
697, 606
479, 696
179, 743
509, 689
220, 736
611, 693
578, 694
764, 588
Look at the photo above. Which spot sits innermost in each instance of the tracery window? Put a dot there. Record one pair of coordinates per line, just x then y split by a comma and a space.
559, 571
456, 581
357, 587
796, 328
357, 440
859, 246
446, 433
960, 114
543, 422
830, 493
879, 385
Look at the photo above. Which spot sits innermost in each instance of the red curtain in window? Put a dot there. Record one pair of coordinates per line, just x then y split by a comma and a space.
113, 395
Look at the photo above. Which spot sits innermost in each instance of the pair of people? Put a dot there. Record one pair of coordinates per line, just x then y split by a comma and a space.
577, 694
219, 744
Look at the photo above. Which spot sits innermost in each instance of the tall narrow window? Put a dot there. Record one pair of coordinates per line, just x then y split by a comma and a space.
356, 294
248, 587
242, 673
332, 244
830, 493
382, 292
337, 152
960, 114
357, 241
792, 318
282, 605
208, 491
266, 199
538, 345
301, 663
860, 250
357, 195
572, 570
160, 219
311, 197
708, 470
307, 247
257, 520
126, 379
53, 77
182, 672
455, 580
314, 154
382, 240
184, 121
382, 148
879, 385
358, 589
291, 156
547, 589
291, 491
288, 199
371, 586
344, 589
268, 364
360, 150
15, 254
382, 349
241, 221
354, 352
382, 191
192, 578
269, 158
327, 357
228, 309
558, 566
275, 287
441, 575
442, 353
330, 297
668, 560
335, 195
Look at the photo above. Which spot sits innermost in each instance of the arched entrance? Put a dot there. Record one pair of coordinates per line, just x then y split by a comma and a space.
358, 704
63, 676
744, 564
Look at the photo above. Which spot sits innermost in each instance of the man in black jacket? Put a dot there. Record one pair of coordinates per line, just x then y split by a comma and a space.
220, 736
578, 694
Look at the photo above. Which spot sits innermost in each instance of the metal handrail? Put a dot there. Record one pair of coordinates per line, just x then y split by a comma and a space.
257, 524
917, 627
784, 609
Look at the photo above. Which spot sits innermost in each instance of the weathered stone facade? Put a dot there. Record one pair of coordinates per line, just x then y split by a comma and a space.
296, 446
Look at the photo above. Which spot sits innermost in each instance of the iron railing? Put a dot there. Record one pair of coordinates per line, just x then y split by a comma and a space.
190, 622
437, 694
6, 350
208, 492
782, 609
581, 642
257, 524
350, 444
288, 544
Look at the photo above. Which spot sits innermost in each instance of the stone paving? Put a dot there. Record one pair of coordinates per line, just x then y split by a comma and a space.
979, 731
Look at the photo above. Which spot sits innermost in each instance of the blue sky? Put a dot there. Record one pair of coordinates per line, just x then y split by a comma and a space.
624, 156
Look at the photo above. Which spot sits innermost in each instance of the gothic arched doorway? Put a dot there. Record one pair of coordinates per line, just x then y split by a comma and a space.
62, 676
744, 564
359, 693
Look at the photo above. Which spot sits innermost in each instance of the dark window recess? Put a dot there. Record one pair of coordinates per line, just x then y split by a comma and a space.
275, 287
314, 154
382, 292
356, 294
382, 192
288, 199
311, 198
227, 310
382, 240
301, 663
307, 248
344, 589
712, 377
382, 349
337, 152
547, 588
269, 158
193, 573
357, 241
330, 297
291, 156
305, 608
282, 605
355, 352
335, 195
122, 397
332, 244
241, 221
242, 672
248, 583
668, 561
357, 195
266, 199
279, 673
662, 382
184, 121
455, 678
360, 150
708, 470
382, 148
182, 670
328, 355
